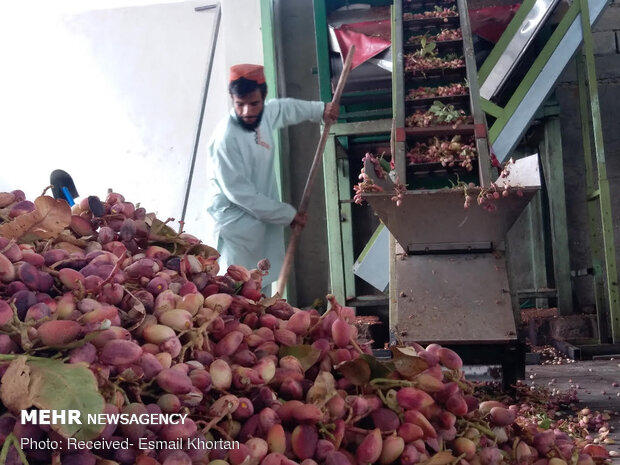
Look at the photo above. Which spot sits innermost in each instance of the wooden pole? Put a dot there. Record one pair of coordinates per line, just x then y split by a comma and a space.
318, 158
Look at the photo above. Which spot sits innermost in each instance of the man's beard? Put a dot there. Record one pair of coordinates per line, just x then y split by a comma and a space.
249, 126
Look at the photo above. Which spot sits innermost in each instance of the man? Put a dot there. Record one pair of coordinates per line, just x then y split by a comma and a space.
243, 197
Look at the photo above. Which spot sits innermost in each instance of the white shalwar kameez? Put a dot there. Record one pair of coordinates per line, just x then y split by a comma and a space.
243, 198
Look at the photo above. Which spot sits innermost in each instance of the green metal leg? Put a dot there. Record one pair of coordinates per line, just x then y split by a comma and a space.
596, 240
334, 230
551, 157
398, 93
346, 225
608, 254
611, 270
393, 291
537, 245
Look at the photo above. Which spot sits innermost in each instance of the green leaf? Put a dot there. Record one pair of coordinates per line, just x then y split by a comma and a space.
357, 371
169, 246
160, 228
545, 421
164, 236
12, 441
545, 424
53, 385
389, 365
377, 368
445, 113
385, 165
306, 354
436, 107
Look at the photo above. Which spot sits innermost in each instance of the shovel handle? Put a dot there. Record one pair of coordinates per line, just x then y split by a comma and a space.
314, 169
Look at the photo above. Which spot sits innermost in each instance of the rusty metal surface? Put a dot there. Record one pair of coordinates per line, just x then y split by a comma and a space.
438, 216
456, 298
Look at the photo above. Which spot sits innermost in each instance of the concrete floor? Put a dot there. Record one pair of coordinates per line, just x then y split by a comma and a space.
597, 383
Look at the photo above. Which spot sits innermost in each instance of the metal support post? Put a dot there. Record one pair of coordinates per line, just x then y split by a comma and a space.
485, 172
596, 252
398, 93
205, 93
346, 222
396, 253
537, 247
334, 229
322, 49
603, 191
553, 171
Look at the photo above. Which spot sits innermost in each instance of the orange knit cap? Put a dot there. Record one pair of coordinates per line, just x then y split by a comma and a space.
248, 71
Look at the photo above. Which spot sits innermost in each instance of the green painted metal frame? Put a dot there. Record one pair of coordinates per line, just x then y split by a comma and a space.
490, 108
322, 49
503, 114
596, 240
588, 83
597, 189
367, 128
331, 178
338, 205
332, 212
336, 178
398, 94
482, 145
346, 224
357, 111
392, 290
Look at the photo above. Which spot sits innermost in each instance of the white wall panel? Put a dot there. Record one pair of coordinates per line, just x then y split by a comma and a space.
113, 95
